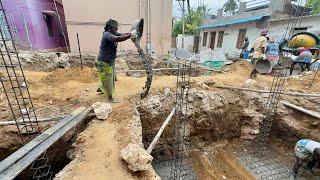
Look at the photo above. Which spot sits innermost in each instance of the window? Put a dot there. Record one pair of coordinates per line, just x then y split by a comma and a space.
48, 20
213, 39
205, 38
220, 39
241, 37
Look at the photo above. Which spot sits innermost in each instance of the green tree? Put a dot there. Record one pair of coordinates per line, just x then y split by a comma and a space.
230, 6
193, 20
314, 5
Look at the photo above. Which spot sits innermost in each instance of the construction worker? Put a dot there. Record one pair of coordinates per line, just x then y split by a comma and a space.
306, 150
303, 59
259, 49
272, 51
244, 48
105, 63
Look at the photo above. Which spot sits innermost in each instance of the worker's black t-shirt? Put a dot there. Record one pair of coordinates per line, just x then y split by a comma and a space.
108, 49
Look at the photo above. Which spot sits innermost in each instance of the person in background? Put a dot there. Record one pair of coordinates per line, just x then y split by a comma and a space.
306, 151
272, 52
245, 46
105, 63
259, 48
303, 59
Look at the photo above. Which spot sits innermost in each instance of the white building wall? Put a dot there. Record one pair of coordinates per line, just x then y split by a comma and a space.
230, 38
187, 42
278, 28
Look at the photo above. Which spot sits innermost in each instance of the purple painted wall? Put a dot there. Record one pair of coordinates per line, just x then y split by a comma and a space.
34, 12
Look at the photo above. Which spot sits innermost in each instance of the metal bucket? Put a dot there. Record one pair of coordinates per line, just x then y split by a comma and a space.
263, 66
138, 26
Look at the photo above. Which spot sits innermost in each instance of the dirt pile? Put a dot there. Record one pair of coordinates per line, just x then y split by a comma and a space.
49, 61
81, 75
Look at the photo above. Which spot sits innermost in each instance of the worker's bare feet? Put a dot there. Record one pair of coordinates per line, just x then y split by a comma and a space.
112, 99
99, 91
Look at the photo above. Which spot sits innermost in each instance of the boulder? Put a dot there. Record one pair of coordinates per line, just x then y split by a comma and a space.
102, 110
136, 157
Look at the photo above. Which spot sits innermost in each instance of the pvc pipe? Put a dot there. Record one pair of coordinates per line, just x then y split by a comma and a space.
264, 91
306, 111
164, 125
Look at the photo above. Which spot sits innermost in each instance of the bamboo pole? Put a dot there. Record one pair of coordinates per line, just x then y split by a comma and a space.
138, 70
265, 91
8, 123
306, 111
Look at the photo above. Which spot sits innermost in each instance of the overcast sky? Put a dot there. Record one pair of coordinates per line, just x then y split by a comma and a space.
212, 4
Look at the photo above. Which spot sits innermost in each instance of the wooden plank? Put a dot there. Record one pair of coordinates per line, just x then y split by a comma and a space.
16, 156
138, 70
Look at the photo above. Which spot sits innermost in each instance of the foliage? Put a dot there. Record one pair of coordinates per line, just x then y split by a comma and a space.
314, 5
230, 6
193, 20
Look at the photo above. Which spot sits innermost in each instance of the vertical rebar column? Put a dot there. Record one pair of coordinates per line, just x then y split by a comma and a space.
271, 106
180, 165
14, 83
16, 89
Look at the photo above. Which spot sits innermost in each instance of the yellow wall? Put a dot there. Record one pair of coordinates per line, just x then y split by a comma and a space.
88, 18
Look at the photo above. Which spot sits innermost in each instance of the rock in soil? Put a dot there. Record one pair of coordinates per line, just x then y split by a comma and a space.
136, 157
102, 110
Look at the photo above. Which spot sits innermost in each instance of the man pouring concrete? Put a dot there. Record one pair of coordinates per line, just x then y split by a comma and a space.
306, 151
259, 49
106, 59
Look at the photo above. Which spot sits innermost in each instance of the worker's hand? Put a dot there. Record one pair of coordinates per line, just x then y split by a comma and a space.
264, 57
134, 34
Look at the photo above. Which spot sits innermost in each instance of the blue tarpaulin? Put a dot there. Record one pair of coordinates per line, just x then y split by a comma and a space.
231, 22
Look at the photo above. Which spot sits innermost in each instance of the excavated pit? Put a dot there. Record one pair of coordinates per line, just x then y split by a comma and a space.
217, 123
213, 118
59, 154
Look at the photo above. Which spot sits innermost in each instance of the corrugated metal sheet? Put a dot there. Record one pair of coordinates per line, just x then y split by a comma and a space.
231, 22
